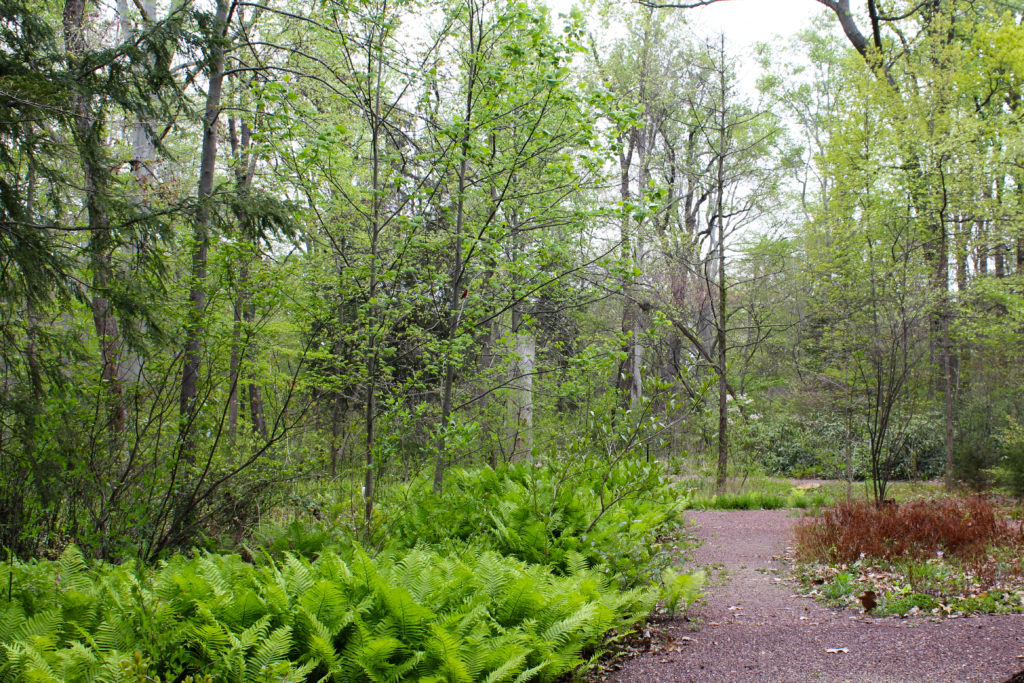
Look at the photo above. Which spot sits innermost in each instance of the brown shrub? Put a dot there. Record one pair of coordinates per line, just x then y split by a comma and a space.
918, 529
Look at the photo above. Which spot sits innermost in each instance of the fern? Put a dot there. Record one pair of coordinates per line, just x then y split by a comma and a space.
411, 620
511, 666
446, 657
561, 632
270, 656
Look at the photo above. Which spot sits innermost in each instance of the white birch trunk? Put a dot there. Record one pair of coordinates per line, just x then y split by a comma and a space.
521, 400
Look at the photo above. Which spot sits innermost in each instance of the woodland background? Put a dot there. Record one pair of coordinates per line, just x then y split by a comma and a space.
386, 339
257, 254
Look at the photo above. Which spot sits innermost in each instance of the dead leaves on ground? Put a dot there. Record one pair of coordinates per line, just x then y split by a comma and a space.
988, 584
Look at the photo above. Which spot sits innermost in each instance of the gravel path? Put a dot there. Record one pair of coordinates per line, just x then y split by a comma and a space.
753, 627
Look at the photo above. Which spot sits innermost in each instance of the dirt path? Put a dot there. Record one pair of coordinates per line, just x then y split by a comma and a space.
753, 628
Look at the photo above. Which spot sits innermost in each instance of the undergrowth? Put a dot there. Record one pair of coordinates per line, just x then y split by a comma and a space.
759, 500
928, 557
916, 529
519, 574
545, 517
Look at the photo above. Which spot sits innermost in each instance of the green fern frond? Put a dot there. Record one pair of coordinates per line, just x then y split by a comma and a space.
331, 567
26, 663
575, 563
512, 666
213, 575
244, 608
410, 618
45, 624
533, 672
325, 602
374, 658
72, 570
299, 575
400, 672
78, 664
446, 656
271, 650
518, 600
256, 633
562, 632
321, 651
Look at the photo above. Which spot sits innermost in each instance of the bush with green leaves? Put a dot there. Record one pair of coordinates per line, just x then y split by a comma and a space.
814, 446
1009, 470
415, 615
796, 447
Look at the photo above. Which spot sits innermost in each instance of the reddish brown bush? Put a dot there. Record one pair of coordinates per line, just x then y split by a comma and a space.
919, 529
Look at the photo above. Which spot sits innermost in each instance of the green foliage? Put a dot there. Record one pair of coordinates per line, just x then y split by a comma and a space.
796, 447
523, 581
1009, 471
840, 587
679, 590
750, 500
542, 515
474, 615
907, 603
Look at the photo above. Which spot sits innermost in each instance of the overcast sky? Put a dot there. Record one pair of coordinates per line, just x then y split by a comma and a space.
745, 22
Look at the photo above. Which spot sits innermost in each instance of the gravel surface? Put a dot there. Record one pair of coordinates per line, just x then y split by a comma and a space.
754, 628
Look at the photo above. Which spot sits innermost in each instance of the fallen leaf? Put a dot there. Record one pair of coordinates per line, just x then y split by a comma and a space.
837, 650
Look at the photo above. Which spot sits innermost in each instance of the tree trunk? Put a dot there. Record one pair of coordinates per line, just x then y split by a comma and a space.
723, 384
88, 140
455, 291
195, 328
233, 372
143, 145
521, 400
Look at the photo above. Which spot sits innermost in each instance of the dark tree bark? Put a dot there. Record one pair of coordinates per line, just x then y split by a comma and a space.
184, 500
88, 134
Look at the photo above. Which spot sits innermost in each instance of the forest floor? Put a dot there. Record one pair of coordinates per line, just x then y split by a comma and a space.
751, 625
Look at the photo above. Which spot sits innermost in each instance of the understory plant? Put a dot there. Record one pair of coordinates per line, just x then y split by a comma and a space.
413, 615
515, 574
937, 557
540, 515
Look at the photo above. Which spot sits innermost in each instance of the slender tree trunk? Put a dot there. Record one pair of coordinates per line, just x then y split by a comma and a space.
238, 136
948, 390
233, 372
945, 320
848, 451
441, 464
520, 418
627, 375
88, 140
456, 293
259, 420
195, 328
143, 145
723, 384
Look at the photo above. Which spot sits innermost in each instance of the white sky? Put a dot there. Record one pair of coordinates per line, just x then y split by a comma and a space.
744, 23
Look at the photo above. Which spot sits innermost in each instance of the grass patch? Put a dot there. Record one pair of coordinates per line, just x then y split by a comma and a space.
751, 500
775, 497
